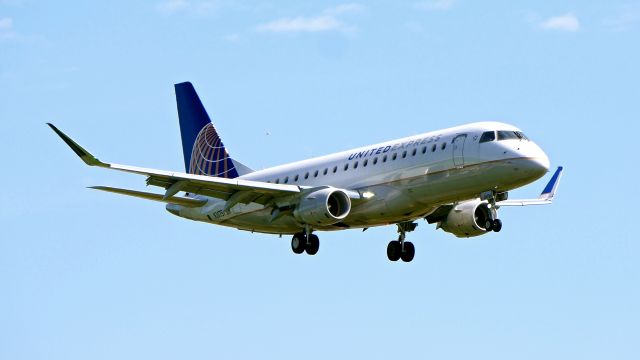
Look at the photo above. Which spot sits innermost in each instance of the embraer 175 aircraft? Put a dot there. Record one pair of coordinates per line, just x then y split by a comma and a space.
456, 178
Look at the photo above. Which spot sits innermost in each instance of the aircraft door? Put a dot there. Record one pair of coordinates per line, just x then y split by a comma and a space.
458, 150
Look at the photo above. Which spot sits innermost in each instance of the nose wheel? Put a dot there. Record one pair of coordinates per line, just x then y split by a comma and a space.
401, 249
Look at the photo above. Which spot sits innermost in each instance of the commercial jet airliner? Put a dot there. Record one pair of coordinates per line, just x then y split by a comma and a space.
456, 178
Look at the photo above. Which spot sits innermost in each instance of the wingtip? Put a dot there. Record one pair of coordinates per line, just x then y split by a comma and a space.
86, 156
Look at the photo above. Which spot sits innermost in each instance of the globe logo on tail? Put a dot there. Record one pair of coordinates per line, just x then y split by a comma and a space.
209, 157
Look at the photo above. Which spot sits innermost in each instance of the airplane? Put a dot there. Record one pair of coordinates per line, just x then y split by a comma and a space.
456, 178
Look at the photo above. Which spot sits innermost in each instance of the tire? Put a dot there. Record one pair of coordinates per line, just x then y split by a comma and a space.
488, 225
497, 225
298, 243
313, 245
394, 251
409, 252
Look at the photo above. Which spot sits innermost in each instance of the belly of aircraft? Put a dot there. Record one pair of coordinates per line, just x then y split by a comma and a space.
393, 202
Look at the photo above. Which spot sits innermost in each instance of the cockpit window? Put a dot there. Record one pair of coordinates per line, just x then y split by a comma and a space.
507, 135
521, 136
488, 136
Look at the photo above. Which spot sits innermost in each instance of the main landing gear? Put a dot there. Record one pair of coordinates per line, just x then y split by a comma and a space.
400, 249
302, 242
494, 225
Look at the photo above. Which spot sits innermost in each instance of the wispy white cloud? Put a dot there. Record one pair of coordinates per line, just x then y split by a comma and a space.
202, 7
628, 16
6, 23
568, 22
432, 5
328, 20
172, 6
6, 28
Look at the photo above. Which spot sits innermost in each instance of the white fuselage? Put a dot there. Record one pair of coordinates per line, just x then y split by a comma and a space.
399, 180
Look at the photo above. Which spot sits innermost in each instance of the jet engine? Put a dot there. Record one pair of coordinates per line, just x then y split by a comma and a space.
469, 218
323, 207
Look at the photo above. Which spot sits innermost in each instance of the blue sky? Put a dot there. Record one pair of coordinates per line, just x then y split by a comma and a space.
93, 275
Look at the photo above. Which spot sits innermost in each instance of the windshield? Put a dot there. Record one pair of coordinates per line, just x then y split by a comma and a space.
511, 135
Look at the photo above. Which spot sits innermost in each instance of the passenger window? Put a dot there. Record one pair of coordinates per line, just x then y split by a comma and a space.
443, 146
277, 181
326, 170
487, 136
375, 160
346, 167
394, 156
365, 163
306, 176
295, 178
286, 180
335, 168
424, 149
315, 174
413, 153
433, 148
384, 158
404, 154
355, 165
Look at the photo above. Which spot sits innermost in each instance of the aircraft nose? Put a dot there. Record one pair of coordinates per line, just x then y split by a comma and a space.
539, 162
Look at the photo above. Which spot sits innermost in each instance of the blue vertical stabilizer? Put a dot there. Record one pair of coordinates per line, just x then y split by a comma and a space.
203, 150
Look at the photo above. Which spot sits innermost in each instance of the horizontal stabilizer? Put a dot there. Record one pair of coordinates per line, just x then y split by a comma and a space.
151, 196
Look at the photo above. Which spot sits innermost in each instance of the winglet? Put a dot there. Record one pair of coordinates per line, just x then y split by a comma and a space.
549, 191
79, 150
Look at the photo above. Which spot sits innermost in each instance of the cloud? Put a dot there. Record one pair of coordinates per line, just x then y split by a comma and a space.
6, 28
628, 16
568, 22
172, 6
431, 5
327, 21
6, 23
202, 7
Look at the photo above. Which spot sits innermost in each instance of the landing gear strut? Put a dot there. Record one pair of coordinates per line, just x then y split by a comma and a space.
493, 224
302, 242
400, 249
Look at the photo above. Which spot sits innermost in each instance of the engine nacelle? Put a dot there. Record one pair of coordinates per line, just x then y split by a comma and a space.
323, 207
470, 218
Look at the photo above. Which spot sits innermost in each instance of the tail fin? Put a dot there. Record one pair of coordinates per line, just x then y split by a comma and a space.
204, 153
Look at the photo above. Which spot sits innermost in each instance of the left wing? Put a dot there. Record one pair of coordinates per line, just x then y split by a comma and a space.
546, 197
231, 190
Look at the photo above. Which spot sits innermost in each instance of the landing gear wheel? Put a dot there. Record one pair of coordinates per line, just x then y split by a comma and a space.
409, 252
298, 243
497, 225
313, 245
394, 250
488, 225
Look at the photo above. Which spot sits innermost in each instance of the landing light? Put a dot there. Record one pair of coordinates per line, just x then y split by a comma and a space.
368, 194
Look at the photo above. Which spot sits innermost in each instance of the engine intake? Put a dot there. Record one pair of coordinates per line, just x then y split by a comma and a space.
323, 207
468, 219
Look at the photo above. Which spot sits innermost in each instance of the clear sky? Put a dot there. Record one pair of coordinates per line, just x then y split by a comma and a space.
90, 275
